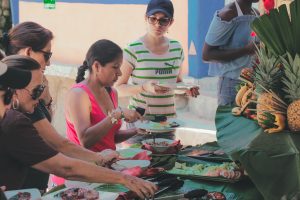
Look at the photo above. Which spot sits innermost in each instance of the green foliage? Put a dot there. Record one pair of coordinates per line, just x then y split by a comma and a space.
267, 74
291, 80
279, 32
268, 120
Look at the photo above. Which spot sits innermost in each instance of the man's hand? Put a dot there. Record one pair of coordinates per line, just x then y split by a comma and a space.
251, 47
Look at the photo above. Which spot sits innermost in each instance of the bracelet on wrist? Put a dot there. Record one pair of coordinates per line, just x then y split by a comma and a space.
122, 113
113, 119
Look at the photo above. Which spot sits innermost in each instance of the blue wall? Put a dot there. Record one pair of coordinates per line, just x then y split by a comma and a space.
200, 16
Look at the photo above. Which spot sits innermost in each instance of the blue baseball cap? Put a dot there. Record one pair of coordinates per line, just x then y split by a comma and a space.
164, 6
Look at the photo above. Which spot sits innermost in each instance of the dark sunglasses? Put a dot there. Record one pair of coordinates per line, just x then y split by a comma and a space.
47, 55
36, 92
162, 21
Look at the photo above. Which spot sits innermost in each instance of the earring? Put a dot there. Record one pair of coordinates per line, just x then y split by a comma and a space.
15, 104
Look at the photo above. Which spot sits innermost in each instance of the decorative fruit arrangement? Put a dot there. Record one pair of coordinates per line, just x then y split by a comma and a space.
275, 77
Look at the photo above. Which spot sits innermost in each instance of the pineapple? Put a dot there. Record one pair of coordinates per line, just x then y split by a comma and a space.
267, 78
292, 89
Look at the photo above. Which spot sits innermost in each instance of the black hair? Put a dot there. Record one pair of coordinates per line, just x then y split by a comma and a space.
103, 51
8, 93
26, 34
21, 62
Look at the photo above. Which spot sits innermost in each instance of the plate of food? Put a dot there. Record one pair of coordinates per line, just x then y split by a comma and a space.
26, 194
159, 144
80, 193
159, 127
126, 164
225, 172
131, 152
201, 154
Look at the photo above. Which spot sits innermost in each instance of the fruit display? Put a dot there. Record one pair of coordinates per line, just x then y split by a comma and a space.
275, 77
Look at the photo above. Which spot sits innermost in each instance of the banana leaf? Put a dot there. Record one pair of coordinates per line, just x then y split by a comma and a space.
272, 161
285, 29
265, 30
279, 31
295, 17
276, 18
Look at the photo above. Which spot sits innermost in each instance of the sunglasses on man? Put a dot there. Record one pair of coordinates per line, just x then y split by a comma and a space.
36, 92
162, 21
47, 55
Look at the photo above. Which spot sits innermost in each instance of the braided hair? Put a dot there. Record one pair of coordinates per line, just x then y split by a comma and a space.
104, 51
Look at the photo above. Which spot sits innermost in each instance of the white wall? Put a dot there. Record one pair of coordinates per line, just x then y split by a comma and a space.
77, 25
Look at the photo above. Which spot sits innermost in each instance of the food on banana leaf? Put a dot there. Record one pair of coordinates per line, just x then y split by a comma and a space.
227, 170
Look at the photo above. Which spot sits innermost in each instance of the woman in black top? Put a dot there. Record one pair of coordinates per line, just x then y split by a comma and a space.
33, 40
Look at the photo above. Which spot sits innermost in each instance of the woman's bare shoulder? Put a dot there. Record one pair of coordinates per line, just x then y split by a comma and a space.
77, 94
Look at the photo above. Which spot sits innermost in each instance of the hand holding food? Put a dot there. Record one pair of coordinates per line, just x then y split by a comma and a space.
108, 156
127, 114
131, 115
154, 88
193, 92
144, 189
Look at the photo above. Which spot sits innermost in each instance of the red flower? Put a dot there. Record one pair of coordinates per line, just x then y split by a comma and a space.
268, 5
253, 34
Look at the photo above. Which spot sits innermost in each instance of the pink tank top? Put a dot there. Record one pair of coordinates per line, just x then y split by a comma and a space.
96, 115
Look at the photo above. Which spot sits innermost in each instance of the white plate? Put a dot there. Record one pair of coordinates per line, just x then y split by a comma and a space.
131, 152
157, 127
80, 184
35, 193
177, 86
125, 164
159, 148
102, 195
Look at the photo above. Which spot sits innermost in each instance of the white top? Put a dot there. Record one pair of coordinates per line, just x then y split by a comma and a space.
149, 66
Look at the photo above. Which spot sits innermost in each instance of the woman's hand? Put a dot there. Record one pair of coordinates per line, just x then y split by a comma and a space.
144, 189
193, 92
46, 94
129, 115
141, 131
108, 156
152, 87
3, 188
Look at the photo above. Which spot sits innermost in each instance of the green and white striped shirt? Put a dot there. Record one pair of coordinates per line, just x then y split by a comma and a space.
149, 66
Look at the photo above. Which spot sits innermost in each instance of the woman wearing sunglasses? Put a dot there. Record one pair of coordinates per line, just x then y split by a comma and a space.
153, 59
10, 79
21, 147
33, 40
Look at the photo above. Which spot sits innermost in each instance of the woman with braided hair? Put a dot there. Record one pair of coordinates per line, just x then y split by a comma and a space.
92, 113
